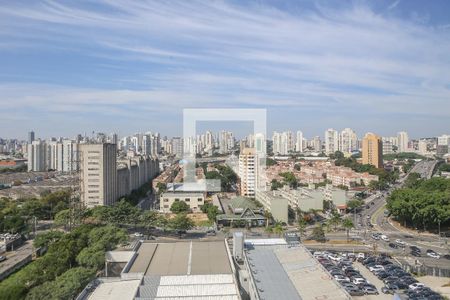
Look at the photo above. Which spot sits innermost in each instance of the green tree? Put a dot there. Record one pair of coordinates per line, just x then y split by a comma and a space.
354, 203
347, 223
301, 226
47, 238
335, 219
62, 218
66, 286
180, 222
275, 184
179, 207
318, 234
148, 219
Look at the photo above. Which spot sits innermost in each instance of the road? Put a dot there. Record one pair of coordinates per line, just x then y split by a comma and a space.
373, 213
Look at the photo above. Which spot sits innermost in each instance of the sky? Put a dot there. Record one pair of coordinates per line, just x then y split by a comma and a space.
69, 67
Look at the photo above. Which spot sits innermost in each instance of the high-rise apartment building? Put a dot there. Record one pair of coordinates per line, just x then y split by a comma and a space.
177, 147
331, 141
30, 137
248, 172
316, 144
71, 156
37, 156
423, 147
348, 141
372, 150
283, 143
299, 142
403, 141
98, 174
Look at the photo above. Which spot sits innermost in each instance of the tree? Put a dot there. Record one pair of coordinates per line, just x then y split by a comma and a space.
278, 228
92, 257
335, 219
47, 238
275, 184
179, 207
301, 226
66, 286
62, 218
161, 187
347, 223
148, 219
180, 222
268, 217
354, 203
318, 234
297, 167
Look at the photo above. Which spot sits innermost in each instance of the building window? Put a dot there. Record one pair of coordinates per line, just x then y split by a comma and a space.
187, 199
176, 199
166, 206
166, 200
199, 199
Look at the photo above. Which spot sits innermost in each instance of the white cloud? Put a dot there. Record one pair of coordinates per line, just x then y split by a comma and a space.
217, 54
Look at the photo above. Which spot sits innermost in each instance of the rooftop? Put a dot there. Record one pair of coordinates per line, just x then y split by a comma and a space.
181, 258
289, 272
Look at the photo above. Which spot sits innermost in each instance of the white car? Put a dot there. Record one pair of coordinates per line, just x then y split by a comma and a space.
138, 234
433, 255
376, 268
416, 286
384, 238
341, 278
361, 255
359, 280
400, 242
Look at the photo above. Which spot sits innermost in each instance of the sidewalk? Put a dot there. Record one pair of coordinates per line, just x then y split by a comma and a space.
410, 231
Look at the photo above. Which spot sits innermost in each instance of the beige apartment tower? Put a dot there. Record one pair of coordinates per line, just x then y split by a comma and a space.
372, 150
98, 175
248, 171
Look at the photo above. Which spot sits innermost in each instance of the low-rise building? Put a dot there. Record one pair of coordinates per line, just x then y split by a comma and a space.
194, 199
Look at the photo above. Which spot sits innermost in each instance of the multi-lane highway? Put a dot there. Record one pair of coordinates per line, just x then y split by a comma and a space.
373, 219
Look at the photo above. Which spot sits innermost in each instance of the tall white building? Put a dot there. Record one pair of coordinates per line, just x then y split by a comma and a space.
316, 144
423, 147
71, 156
283, 143
55, 156
37, 156
299, 142
98, 174
348, 141
248, 171
403, 141
177, 147
331, 141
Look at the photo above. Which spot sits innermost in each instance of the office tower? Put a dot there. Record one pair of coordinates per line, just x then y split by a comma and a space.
299, 142
403, 141
372, 150
98, 174
348, 141
114, 139
37, 156
30, 137
331, 141
177, 147
248, 171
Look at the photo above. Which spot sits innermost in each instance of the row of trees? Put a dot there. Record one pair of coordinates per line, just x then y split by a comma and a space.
15, 215
422, 203
71, 261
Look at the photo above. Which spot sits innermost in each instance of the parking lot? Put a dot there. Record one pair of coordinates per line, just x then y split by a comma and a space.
373, 277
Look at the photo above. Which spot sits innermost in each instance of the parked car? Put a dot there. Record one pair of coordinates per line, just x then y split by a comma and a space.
433, 254
415, 253
359, 280
138, 234
384, 238
376, 268
354, 291
392, 245
368, 290
2, 258
390, 289
416, 286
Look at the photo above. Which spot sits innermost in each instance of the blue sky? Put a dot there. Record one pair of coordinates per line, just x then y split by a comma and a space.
121, 66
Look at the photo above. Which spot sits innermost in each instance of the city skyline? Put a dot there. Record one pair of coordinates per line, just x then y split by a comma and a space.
122, 66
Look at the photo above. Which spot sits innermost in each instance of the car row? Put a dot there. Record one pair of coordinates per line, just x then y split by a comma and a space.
340, 267
395, 279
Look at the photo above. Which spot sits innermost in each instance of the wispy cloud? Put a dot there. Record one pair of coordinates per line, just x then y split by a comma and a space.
119, 58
